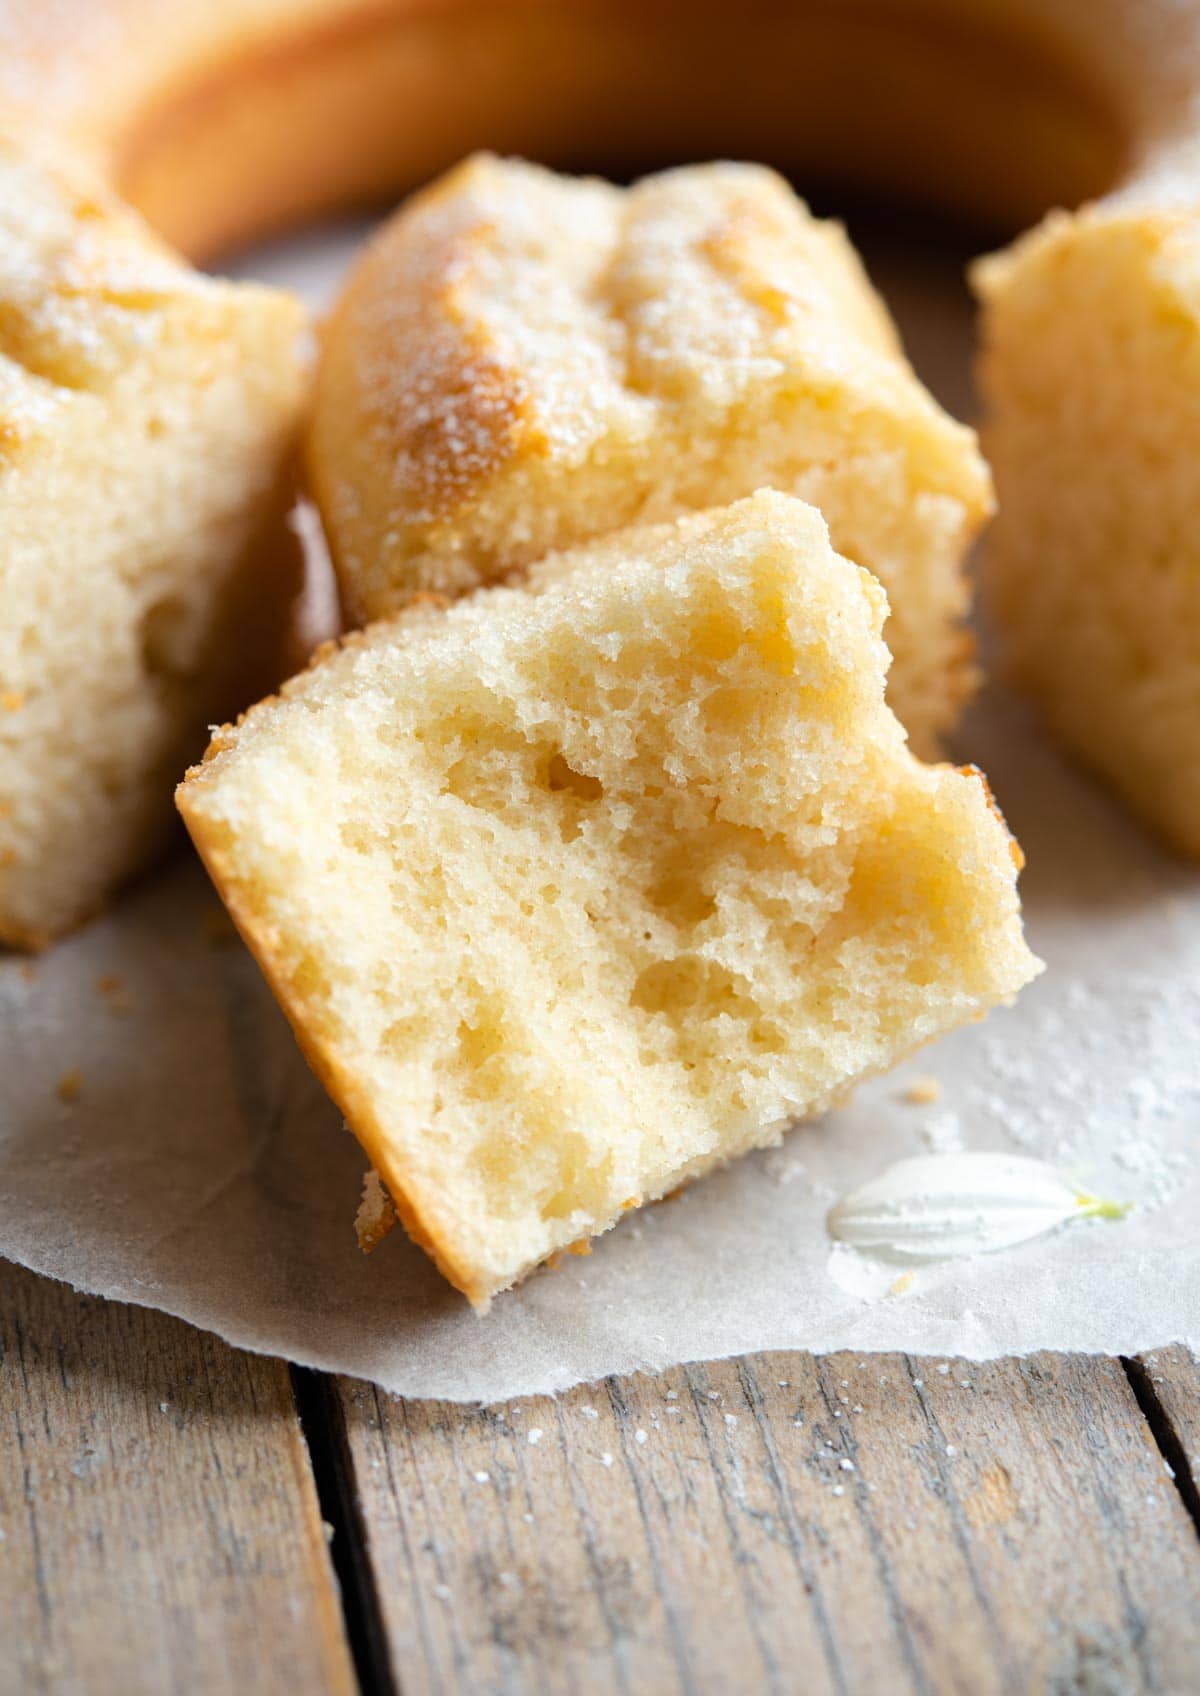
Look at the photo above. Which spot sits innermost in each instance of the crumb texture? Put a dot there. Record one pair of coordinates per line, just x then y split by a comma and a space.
522, 362
145, 422
580, 888
1092, 374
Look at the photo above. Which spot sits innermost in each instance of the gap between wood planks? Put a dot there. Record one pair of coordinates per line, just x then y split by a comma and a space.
321, 1412
324, 1430
1184, 1467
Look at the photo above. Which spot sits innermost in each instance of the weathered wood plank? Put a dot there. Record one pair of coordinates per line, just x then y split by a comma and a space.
159, 1521
783, 1523
1173, 1379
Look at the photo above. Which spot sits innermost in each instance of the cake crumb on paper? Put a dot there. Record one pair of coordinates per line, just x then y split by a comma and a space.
923, 1092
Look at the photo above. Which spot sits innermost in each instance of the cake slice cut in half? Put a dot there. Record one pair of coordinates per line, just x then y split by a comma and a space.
583, 887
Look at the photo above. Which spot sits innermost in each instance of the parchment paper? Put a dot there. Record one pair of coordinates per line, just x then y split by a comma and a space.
200, 1169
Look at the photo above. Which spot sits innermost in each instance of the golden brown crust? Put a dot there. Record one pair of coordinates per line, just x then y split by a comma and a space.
1014, 847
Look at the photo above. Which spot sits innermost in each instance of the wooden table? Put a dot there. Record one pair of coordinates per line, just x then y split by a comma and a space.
179, 1516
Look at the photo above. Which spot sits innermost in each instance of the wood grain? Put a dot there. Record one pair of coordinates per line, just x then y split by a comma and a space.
160, 1528
782, 1523
1171, 1380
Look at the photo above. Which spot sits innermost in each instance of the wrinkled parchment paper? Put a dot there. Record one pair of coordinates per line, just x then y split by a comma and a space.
162, 1142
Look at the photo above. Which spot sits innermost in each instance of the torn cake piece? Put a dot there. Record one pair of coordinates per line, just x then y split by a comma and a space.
581, 888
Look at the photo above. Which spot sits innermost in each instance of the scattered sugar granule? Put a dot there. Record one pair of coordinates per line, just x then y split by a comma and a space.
588, 1412
918, 1383
639, 1435
857, 1408
784, 1383
846, 1465
839, 1490
164, 1407
442, 1592
69, 1085
535, 1434
731, 1419
528, 1518
713, 1395
951, 1450
672, 1395
942, 1134
784, 1169
923, 1092
482, 1477
944, 1371
606, 1459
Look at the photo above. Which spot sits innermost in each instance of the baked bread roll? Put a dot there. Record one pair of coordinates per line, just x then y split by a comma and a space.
522, 362
581, 888
146, 424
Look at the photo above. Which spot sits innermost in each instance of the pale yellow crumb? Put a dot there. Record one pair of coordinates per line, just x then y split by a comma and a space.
1092, 572
523, 362
902, 1284
147, 416
579, 889
923, 1092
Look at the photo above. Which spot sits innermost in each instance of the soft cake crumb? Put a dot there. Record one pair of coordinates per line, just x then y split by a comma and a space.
147, 416
1092, 571
522, 362
579, 889
923, 1092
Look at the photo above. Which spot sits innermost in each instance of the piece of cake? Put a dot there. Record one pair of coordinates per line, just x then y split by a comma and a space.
147, 416
522, 362
1091, 370
579, 889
